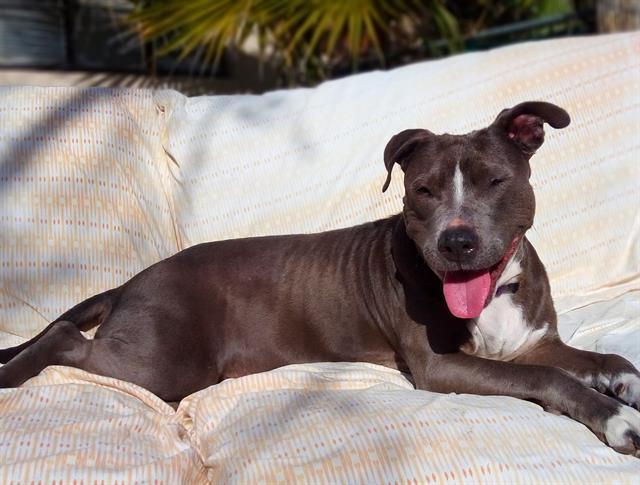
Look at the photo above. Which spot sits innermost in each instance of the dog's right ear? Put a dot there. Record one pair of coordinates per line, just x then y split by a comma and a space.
399, 148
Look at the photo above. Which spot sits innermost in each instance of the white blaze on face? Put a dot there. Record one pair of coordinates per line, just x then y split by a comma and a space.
458, 186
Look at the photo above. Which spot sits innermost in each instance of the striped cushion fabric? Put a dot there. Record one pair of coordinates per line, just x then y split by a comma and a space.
67, 426
361, 423
84, 202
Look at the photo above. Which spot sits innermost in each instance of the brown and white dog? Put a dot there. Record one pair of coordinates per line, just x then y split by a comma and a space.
449, 290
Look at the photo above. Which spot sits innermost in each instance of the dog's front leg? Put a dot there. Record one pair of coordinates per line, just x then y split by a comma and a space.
608, 373
616, 424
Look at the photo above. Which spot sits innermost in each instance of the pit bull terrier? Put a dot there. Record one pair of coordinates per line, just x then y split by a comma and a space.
450, 290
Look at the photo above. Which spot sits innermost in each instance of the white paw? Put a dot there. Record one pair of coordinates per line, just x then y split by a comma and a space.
622, 431
626, 386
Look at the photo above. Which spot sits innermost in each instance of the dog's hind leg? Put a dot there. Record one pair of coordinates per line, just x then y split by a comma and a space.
86, 315
64, 344
61, 344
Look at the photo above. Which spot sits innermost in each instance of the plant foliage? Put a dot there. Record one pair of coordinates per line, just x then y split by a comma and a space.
312, 36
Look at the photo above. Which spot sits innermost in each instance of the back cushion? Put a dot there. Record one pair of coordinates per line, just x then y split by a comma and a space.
83, 200
311, 159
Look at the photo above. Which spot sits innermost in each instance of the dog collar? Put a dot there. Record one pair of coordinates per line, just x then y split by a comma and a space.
508, 288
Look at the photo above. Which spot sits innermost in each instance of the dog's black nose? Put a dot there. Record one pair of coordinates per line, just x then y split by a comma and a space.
458, 243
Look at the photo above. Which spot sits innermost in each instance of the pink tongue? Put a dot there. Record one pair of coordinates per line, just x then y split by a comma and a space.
466, 292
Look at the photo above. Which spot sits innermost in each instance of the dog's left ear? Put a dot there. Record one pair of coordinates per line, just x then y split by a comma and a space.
524, 123
399, 148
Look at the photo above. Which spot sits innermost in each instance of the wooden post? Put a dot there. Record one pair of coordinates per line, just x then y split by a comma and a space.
618, 15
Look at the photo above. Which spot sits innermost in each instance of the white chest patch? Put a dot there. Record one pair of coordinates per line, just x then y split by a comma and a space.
501, 332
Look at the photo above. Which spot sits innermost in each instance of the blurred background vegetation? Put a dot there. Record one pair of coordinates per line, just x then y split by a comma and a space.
308, 40
254, 45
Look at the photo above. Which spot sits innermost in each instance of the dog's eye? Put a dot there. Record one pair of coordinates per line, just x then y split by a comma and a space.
424, 191
496, 182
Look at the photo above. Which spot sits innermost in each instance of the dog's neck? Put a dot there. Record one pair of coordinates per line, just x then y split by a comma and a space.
420, 293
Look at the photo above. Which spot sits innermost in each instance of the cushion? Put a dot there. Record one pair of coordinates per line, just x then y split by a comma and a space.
361, 423
84, 202
69, 426
326, 422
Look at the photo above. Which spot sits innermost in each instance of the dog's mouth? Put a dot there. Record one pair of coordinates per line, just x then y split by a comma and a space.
467, 293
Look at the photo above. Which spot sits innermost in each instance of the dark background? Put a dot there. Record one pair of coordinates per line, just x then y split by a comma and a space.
124, 43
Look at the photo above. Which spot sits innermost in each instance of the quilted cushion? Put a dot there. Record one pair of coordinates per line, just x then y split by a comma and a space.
69, 426
360, 423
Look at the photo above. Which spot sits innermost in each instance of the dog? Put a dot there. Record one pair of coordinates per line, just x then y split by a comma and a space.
450, 290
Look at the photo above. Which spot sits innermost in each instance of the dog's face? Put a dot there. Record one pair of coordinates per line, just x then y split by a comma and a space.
468, 200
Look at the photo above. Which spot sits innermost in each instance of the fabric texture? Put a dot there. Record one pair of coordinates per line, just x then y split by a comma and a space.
69, 426
96, 185
84, 203
362, 423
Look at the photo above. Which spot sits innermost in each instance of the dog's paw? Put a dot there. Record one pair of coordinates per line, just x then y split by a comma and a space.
619, 378
622, 431
626, 387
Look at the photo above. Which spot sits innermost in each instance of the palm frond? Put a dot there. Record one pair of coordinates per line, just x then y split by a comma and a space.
298, 30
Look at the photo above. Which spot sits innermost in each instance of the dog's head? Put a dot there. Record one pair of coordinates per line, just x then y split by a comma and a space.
468, 200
